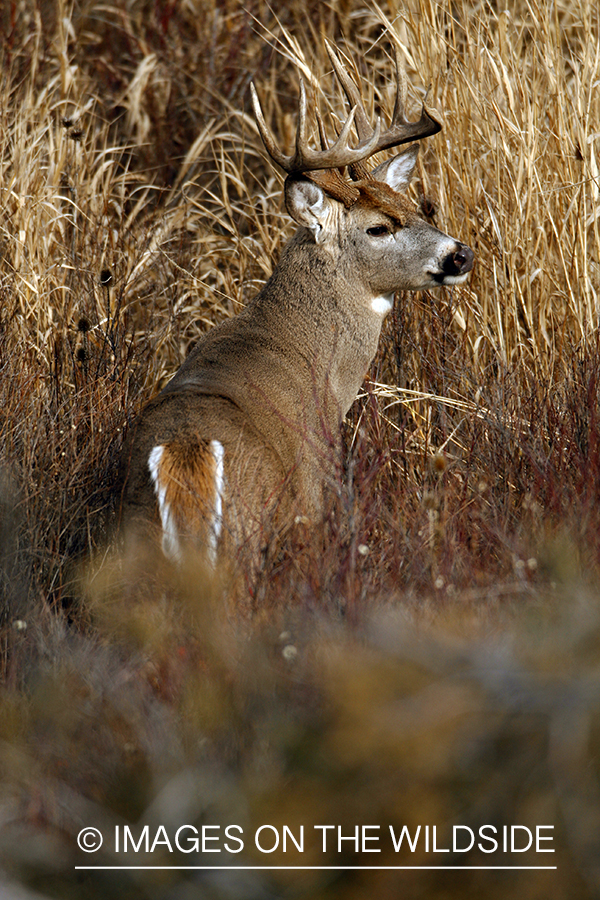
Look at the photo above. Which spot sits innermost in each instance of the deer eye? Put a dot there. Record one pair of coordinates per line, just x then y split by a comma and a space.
378, 230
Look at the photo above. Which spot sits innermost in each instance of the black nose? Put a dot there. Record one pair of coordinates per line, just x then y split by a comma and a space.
459, 262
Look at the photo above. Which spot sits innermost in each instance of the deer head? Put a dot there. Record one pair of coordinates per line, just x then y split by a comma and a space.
370, 205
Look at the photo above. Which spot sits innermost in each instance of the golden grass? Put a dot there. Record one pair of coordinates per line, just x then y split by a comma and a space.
514, 173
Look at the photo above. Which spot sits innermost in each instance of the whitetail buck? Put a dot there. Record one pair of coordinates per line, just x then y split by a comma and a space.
247, 432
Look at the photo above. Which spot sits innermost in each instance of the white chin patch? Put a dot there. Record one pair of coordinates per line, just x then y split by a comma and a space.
382, 305
456, 279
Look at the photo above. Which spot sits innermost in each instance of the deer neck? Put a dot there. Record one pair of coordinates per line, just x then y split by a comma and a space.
326, 317
295, 357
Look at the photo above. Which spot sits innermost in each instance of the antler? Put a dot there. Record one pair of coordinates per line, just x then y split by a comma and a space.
371, 140
400, 131
304, 159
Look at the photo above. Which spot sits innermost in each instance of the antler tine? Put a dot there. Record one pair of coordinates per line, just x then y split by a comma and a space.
304, 159
352, 92
300, 127
399, 114
401, 131
265, 133
322, 135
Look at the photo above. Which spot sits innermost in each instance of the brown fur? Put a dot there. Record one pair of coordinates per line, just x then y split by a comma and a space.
187, 476
379, 196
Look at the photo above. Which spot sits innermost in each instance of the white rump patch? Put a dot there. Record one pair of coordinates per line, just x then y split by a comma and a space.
170, 540
217, 525
382, 305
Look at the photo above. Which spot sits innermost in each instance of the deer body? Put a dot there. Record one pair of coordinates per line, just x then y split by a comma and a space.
248, 430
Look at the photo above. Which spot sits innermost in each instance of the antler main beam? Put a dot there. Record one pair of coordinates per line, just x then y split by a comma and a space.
371, 140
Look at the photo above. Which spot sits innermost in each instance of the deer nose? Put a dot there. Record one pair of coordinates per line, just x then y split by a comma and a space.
460, 262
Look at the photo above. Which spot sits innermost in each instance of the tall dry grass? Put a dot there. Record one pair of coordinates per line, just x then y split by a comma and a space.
430, 653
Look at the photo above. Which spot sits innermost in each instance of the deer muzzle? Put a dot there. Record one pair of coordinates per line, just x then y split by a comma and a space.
457, 265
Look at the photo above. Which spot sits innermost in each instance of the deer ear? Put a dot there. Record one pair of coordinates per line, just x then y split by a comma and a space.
398, 170
308, 205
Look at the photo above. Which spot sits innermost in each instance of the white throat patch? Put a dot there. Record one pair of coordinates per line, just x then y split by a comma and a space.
382, 305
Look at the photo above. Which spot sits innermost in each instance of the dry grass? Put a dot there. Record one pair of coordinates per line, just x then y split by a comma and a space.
431, 654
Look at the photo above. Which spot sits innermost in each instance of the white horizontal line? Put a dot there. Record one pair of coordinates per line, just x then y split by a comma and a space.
317, 868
